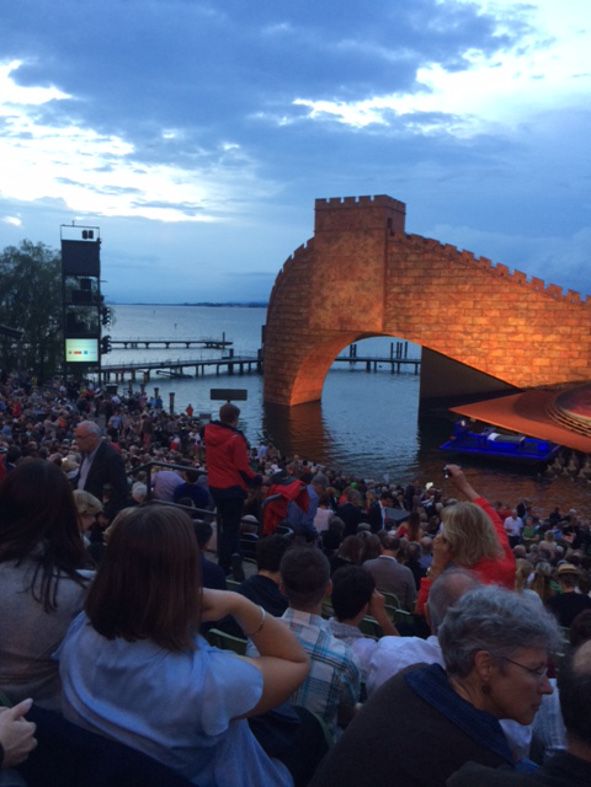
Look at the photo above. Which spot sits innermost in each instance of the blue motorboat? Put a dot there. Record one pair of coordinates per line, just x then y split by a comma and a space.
491, 443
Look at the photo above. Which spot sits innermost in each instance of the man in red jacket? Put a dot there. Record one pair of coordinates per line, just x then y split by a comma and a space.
229, 475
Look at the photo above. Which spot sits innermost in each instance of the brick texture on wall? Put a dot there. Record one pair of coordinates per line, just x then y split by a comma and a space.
362, 275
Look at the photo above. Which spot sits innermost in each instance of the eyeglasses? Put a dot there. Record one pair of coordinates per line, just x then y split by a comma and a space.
539, 673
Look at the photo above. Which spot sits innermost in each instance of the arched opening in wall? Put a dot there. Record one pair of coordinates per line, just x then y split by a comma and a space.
366, 413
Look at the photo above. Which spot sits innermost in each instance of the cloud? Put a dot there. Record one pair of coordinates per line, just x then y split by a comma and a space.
101, 174
489, 89
13, 221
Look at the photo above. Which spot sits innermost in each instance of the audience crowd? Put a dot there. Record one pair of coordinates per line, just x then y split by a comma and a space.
385, 633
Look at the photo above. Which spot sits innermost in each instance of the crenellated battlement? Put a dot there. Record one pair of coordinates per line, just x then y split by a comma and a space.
363, 275
381, 200
501, 270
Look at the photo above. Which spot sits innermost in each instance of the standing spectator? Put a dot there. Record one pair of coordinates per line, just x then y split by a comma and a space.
513, 525
102, 472
229, 475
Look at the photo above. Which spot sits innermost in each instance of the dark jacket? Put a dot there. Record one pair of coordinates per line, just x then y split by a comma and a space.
405, 736
561, 770
108, 469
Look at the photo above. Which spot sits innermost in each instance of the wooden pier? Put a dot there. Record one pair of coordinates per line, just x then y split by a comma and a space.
165, 344
182, 367
397, 362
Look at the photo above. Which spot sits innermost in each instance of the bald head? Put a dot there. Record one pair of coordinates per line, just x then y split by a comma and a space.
445, 591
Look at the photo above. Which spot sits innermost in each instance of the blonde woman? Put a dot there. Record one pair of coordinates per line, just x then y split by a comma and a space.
471, 536
88, 506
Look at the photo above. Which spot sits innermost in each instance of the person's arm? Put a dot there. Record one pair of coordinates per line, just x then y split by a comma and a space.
17, 735
461, 482
463, 485
377, 609
240, 460
283, 662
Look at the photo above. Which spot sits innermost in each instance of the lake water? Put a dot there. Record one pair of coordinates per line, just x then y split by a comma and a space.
366, 423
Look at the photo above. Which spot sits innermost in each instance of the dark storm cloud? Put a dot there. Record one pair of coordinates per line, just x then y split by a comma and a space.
138, 66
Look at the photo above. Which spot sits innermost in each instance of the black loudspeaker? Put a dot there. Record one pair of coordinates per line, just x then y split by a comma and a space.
80, 258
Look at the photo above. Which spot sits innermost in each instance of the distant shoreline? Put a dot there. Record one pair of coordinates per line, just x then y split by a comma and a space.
247, 305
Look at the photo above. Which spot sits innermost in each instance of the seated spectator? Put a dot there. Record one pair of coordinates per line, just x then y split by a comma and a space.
164, 484
549, 731
212, 575
393, 654
377, 511
331, 539
41, 589
323, 513
413, 561
471, 536
263, 587
567, 604
570, 767
134, 668
495, 646
354, 596
192, 489
351, 511
348, 553
372, 546
331, 690
543, 582
87, 506
139, 492
391, 576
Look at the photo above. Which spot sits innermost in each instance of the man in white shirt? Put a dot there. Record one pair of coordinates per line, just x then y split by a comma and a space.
513, 526
394, 654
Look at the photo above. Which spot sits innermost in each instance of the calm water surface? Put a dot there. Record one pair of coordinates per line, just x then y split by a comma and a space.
366, 423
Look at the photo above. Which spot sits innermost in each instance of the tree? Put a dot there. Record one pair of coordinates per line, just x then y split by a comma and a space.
31, 300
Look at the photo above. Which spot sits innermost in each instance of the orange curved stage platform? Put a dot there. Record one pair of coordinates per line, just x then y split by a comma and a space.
537, 413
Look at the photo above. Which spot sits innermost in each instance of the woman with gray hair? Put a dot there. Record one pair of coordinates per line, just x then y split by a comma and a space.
495, 645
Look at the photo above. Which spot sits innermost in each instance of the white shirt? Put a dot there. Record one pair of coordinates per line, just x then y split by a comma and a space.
513, 525
394, 654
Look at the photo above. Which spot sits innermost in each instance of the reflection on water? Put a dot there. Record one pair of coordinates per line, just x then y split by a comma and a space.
367, 423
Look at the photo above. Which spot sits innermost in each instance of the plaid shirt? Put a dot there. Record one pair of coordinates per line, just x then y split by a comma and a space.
334, 677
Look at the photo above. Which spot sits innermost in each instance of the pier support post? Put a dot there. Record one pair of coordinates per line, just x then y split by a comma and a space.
171, 402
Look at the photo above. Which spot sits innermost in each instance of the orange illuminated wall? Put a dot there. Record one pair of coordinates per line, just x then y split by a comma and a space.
362, 275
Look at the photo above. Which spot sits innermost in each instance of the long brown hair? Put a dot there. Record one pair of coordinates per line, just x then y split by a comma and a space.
39, 521
149, 584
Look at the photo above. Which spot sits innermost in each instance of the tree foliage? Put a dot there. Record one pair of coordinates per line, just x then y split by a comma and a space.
31, 300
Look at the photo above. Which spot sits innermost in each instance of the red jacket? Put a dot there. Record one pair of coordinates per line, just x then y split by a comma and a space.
226, 456
490, 571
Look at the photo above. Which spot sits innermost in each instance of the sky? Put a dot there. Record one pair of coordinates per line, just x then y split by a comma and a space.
197, 135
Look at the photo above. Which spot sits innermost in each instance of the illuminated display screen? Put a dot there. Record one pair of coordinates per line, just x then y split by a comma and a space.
81, 350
